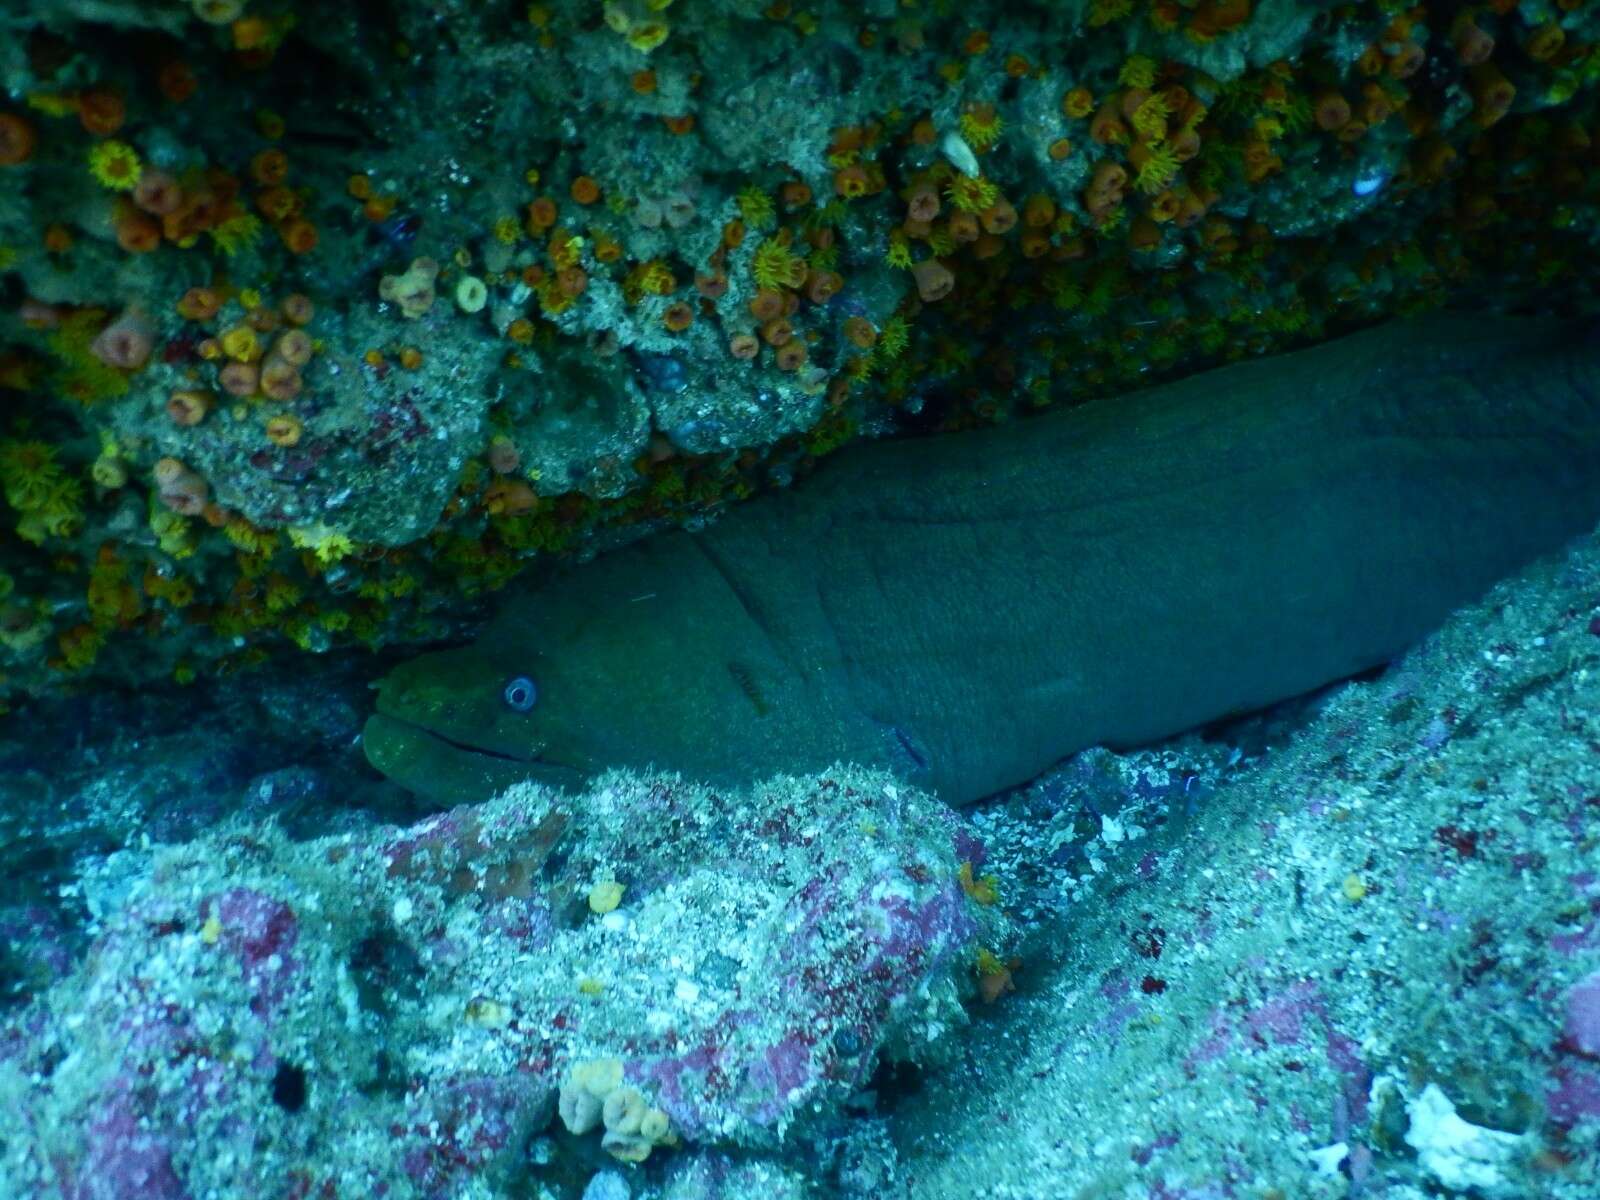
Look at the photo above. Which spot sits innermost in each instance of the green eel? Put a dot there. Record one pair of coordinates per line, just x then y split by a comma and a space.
968, 609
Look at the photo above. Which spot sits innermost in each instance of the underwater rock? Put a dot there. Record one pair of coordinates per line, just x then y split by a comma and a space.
1258, 983
251, 1010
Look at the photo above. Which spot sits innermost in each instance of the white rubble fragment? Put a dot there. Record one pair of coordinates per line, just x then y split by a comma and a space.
961, 157
1460, 1155
1326, 1159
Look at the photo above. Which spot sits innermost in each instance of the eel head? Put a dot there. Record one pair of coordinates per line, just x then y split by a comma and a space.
459, 725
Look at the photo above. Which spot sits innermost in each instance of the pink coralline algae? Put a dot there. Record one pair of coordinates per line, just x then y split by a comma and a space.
1582, 1025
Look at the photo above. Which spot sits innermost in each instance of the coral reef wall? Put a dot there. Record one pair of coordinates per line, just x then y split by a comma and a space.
320, 322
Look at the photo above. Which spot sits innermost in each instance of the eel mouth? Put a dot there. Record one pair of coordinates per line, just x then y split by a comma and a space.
463, 747
430, 763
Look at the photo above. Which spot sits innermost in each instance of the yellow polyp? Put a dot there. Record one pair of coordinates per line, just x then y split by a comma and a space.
115, 165
605, 896
647, 35
329, 545
241, 344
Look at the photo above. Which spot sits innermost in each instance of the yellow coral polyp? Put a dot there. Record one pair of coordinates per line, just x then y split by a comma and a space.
248, 538
236, 233
1103, 12
1150, 118
1157, 169
775, 266
111, 597
28, 474
171, 530
989, 963
241, 344
565, 248
59, 516
328, 544
981, 126
1078, 103
645, 36
972, 194
115, 165
655, 278
80, 646
1138, 72
281, 593
755, 207
109, 471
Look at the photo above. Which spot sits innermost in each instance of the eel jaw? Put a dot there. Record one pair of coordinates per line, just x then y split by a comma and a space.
447, 771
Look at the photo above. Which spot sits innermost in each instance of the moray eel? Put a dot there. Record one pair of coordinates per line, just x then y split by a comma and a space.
968, 609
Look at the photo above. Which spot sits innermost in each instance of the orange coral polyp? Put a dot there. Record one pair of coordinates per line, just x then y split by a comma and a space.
101, 112
542, 215
1473, 45
157, 192
999, 218
239, 379
851, 182
293, 347
200, 303
17, 140
1108, 127
1545, 42
1330, 111
1407, 60
509, 498
794, 193
766, 304
176, 81
270, 167
934, 280
1039, 211
571, 282
137, 233
280, 380
1491, 91
298, 309
963, 226
284, 430
922, 203
791, 355
822, 286
860, 333
300, 236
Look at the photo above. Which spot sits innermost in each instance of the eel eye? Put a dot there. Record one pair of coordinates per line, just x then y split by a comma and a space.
520, 694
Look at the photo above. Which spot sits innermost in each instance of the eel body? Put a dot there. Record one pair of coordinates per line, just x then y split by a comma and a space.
968, 609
